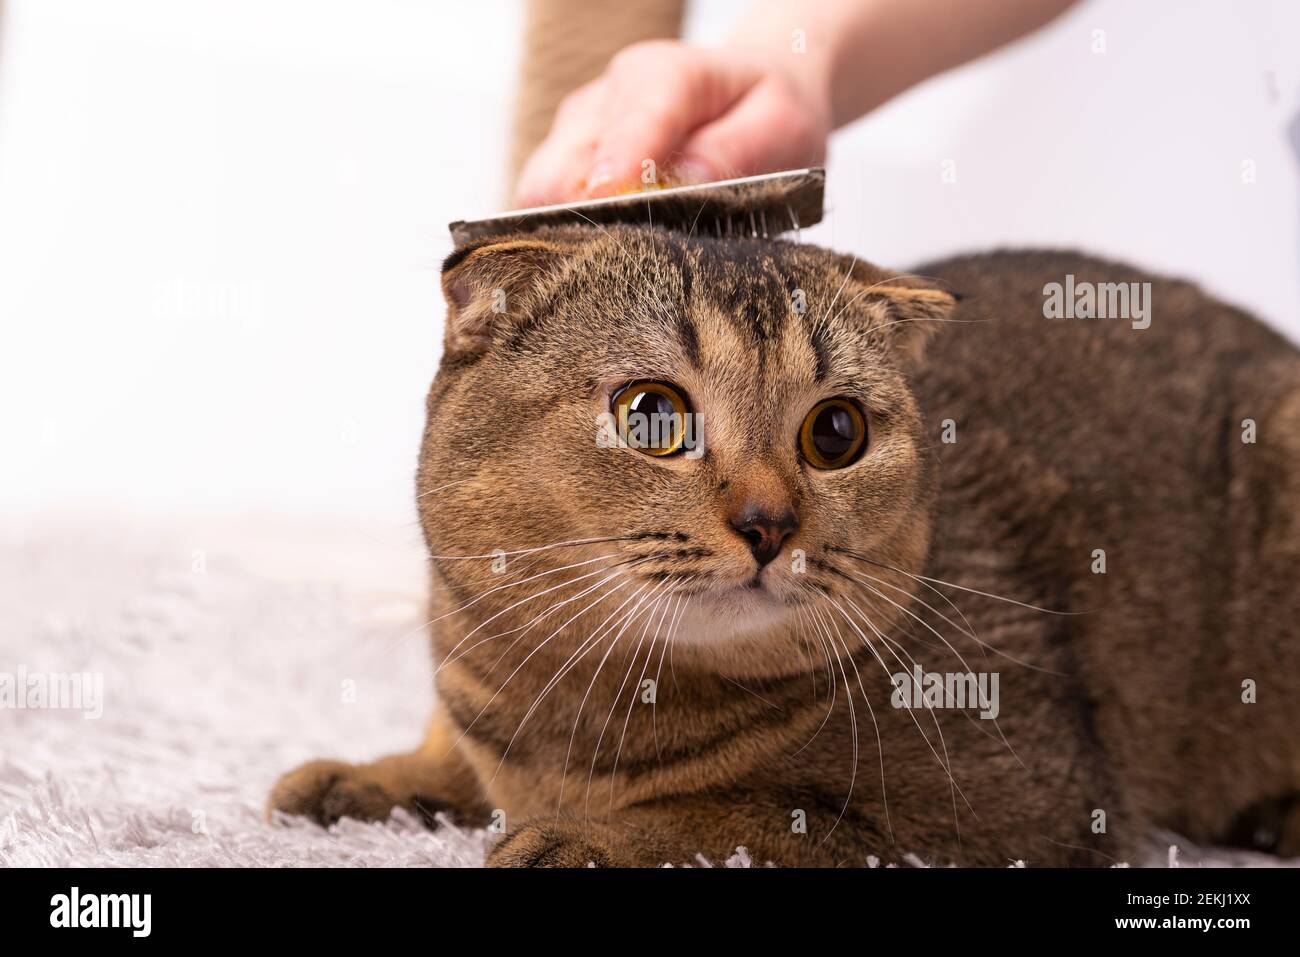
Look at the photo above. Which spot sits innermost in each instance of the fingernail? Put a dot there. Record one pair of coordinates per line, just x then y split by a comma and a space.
602, 174
688, 172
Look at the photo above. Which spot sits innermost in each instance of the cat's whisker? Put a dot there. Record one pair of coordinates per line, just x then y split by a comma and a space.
955, 652
622, 247
564, 773
442, 487
897, 647
629, 563
876, 285
847, 274
551, 609
649, 212
393, 642
695, 221
943, 763
584, 647
853, 728
848, 305
613, 774
901, 648
880, 749
524, 581
1079, 847
830, 678
808, 651
830, 674
570, 543
543, 644
969, 629
889, 618
946, 761
899, 322
750, 691
804, 648
672, 668
807, 648
921, 621
614, 704
938, 581
522, 601
545, 614
654, 703
863, 292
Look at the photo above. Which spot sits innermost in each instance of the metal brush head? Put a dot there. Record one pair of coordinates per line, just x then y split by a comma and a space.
753, 206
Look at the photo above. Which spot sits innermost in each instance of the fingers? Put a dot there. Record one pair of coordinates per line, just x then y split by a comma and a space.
644, 107
558, 168
772, 128
658, 94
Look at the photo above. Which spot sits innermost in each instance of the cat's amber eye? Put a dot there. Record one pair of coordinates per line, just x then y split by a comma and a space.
651, 417
833, 434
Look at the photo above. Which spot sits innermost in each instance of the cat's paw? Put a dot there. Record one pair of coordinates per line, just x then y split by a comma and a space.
552, 844
328, 790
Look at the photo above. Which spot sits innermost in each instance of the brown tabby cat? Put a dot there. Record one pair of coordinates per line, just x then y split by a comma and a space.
647, 652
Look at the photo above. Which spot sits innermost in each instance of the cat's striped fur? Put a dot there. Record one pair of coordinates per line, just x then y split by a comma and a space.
566, 575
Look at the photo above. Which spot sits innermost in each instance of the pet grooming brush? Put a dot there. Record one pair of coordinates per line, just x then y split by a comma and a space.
752, 206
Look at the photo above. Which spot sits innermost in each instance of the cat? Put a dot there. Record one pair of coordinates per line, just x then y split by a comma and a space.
901, 487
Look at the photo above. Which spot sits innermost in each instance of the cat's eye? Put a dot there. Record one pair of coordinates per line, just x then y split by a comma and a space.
833, 434
651, 417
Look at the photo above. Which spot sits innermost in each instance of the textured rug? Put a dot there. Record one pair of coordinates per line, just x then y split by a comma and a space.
228, 652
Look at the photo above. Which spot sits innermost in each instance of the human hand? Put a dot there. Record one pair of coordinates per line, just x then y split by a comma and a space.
699, 115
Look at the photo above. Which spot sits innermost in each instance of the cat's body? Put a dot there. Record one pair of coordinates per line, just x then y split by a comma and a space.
1176, 450
612, 686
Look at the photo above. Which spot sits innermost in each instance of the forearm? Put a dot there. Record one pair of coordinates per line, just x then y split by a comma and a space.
857, 54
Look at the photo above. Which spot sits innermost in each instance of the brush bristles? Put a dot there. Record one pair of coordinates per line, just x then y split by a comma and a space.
752, 207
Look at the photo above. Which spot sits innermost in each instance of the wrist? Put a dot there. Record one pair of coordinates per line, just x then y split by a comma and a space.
846, 56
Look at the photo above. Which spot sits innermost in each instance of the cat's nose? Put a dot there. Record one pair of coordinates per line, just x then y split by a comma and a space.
764, 531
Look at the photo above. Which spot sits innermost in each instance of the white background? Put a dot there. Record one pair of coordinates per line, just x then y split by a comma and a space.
220, 223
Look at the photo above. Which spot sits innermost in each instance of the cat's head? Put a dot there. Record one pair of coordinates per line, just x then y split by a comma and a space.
713, 425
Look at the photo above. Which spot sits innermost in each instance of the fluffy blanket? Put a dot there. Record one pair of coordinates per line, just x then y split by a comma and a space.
228, 651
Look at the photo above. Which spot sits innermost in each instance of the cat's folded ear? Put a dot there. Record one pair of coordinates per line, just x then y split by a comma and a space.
493, 284
906, 310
